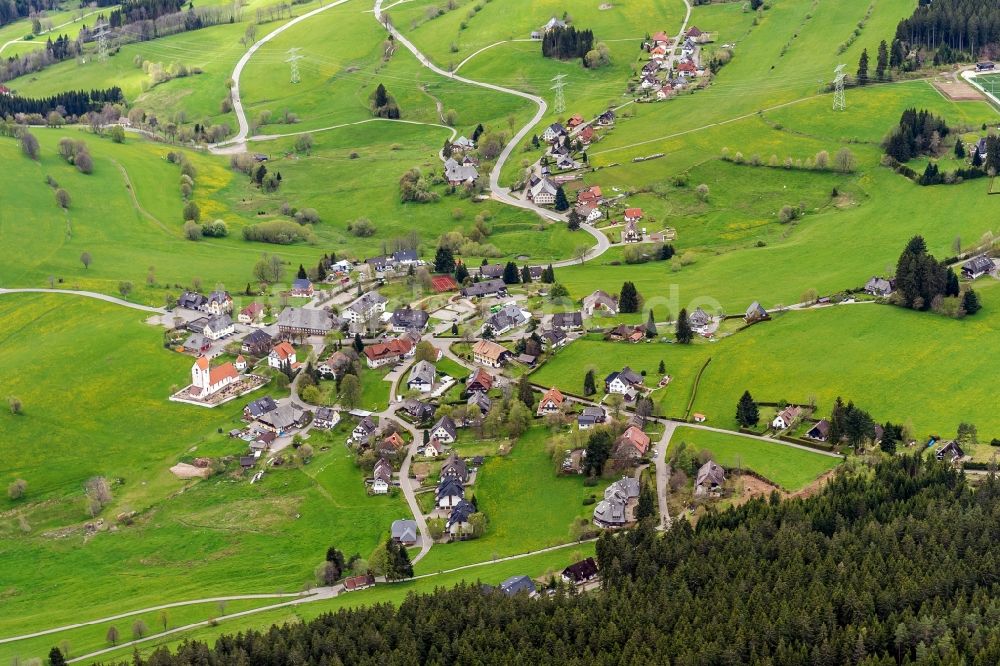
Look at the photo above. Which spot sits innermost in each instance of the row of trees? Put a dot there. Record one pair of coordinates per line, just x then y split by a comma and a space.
69, 104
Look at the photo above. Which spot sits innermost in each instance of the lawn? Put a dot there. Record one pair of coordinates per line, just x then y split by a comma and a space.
527, 506
188, 539
790, 468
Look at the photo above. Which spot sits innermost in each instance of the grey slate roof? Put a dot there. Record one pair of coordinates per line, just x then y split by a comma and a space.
516, 584
422, 371
301, 318
404, 530
460, 514
449, 426
407, 317
459, 173
567, 320
485, 288
450, 487
454, 466
710, 475
261, 406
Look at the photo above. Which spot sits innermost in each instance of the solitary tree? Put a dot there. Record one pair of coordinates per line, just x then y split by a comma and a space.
598, 452
863, 68
970, 302
350, 391
444, 260
112, 635
562, 203
628, 299
124, 288
662, 368
139, 629
683, 331
651, 325
14, 404
510, 273
747, 413
359, 345
301, 275
85, 259
62, 198
524, 392
588, 383
17, 488
461, 273
882, 61
56, 657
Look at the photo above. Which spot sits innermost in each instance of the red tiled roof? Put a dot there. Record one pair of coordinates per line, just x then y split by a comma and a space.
225, 371
397, 347
634, 213
284, 350
637, 438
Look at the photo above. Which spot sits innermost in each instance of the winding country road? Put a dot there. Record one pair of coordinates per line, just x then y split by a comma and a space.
88, 294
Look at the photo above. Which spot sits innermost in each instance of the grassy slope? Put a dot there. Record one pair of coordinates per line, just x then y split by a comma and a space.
790, 468
106, 368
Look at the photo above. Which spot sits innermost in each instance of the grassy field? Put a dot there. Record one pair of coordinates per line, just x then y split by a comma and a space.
526, 504
790, 468
188, 540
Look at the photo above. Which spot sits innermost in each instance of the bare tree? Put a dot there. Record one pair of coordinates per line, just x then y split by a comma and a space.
86, 259
62, 198
164, 619
17, 488
15, 404
139, 629
29, 144
112, 635
98, 492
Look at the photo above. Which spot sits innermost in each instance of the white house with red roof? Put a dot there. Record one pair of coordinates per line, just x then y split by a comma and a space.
206, 380
633, 214
282, 353
251, 314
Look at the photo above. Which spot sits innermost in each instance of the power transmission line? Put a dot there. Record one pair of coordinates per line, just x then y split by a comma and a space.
102, 42
560, 103
839, 100
293, 60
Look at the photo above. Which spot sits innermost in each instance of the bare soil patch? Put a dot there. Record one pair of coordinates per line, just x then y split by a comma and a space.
958, 91
186, 471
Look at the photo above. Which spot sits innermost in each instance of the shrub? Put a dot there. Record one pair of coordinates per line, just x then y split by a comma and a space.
307, 216
192, 230
216, 229
361, 227
192, 211
280, 232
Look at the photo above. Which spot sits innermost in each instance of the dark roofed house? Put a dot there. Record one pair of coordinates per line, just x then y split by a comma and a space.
590, 416
191, 300
458, 519
454, 467
418, 411
977, 267
480, 401
755, 313
517, 585
567, 320
950, 451
878, 286
302, 287
490, 271
444, 430
580, 572
820, 431
555, 338
259, 407
485, 288
302, 321
710, 479
406, 318
257, 342
404, 532
479, 381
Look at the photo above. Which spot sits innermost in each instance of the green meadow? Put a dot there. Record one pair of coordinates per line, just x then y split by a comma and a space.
790, 468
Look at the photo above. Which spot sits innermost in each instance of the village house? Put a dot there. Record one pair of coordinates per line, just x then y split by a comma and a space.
406, 318
518, 585
334, 366
553, 132
457, 173
489, 271
977, 267
421, 377
587, 135
631, 233
632, 444
381, 477
687, 69
543, 192
820, 432
551, 402
282, 354
284, 419
391, 444
386, 353
590, 196
709, 480
450, 492
362, 582
364, 429
880, 287
555, 338
251, 314
192, 300
404, 532
700, 321
218, 327
786, 417
454, 467
485, 288
463, 143
301, 321
509, 317
624, 332
602, 301
256, 343
633, 214
588, 213
302, 287
444, 430
661, 38
479, 381
218, 303
627, 382
326, 418
590, 416
950, 452
489, 353
580, 572
417, 410
365, 308
607, 118
613, 510
568, 321
196, 344
574, 121
433, 448
755, 313
240, 363
479, 401
458, 520
254, 410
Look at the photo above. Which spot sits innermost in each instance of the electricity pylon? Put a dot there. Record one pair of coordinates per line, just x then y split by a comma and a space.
560, 103
839, 100
293, 60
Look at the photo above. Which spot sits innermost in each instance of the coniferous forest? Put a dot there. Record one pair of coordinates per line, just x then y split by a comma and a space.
963, 25
891, 564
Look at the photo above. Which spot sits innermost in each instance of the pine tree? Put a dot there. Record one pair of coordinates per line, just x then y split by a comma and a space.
977, 159
863, 68
525, 274
56, 657
301, 275
647, 504
510, 274
461, 273
524, 392
953, 287
662, 368
562, 203
747, 413
651, 325
359, 345
970, 302
321, 271
837, 415
589, 388
959, 149
882, 61
444, 260
446, 150
549, 275
574, 220
628, 299
684, 334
